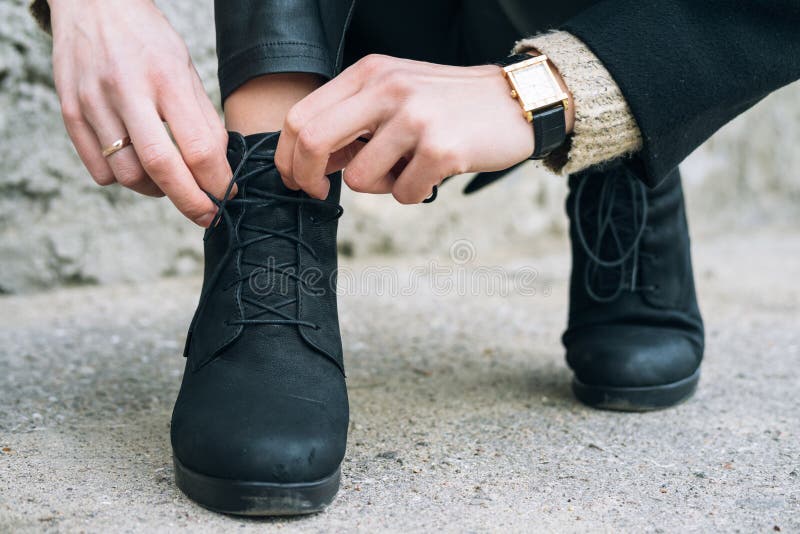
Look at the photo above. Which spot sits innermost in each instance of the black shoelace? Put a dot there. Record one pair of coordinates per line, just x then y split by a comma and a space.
609, 211
266, 314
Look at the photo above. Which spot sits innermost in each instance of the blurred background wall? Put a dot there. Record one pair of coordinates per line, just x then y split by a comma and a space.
58, 228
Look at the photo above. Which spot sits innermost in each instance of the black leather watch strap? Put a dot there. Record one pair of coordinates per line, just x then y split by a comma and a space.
549, 131
510, 60
549, 125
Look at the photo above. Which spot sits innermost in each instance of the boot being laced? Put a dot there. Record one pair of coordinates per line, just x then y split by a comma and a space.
260, 424
260, 199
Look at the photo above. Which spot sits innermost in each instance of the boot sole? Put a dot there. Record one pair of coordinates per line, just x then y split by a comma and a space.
636, 399
244, 497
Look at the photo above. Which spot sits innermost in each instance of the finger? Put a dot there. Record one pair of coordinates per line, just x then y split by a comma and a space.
366, 71
339, 159
330, 131
372, 169
87, 145
416, 182
202, 145
214, 121
124, 163
325, 97
163, 163
206, 106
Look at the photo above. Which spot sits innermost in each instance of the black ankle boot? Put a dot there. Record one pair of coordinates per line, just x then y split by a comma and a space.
260, 424
635, 335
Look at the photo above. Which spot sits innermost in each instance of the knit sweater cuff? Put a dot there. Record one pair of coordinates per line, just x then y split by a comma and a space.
604, 125
40, 10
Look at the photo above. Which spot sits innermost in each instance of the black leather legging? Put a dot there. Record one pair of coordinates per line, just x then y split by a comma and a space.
256, 37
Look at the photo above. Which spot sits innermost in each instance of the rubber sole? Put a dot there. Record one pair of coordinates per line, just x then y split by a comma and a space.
242, 497
636, 399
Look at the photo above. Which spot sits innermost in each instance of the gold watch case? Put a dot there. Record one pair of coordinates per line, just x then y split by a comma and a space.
534, 85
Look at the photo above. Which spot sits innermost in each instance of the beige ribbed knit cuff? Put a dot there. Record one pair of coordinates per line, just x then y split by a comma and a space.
40, 10
604, 125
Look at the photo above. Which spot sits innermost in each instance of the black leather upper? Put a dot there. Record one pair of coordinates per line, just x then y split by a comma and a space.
633, 317
263, 395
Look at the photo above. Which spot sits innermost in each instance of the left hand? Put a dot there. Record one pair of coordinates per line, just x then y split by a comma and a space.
425, 122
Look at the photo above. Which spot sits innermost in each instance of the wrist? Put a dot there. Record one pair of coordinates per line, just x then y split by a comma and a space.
544, 101
605, 129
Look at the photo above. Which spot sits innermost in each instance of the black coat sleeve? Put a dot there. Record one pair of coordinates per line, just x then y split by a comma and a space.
687, 67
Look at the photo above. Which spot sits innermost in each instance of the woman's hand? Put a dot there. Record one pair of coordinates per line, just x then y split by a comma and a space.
425, 122
122, 70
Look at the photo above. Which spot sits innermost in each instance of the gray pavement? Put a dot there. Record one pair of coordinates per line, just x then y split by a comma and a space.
462, 419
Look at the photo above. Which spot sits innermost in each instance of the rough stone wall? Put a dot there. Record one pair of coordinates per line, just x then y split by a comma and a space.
58, 228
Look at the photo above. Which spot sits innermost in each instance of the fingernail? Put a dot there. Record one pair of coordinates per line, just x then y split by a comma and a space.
206, 219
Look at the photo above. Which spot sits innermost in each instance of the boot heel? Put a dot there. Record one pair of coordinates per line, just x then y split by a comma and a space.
636, 399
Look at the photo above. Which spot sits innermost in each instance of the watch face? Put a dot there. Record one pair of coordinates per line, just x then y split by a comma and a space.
536, 86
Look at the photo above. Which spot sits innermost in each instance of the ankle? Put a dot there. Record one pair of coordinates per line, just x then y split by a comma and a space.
261, 104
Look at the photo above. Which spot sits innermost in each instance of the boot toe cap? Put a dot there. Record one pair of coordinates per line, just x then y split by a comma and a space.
632, 356
287, 438
284, 458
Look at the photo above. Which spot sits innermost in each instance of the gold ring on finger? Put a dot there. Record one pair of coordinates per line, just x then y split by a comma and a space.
116, 146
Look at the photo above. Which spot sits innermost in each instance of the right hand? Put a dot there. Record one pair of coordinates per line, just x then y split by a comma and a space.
121, 69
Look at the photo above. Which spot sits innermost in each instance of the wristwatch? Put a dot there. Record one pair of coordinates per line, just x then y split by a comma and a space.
543, 102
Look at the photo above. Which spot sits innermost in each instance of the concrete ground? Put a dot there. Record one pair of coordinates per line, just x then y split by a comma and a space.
462, 417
